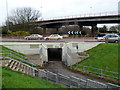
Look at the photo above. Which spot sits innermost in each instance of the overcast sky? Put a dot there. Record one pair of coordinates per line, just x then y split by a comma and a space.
56, 8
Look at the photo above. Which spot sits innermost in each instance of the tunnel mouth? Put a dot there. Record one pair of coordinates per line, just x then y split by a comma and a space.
54, 54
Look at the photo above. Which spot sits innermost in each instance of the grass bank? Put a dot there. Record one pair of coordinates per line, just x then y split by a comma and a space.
104, 56
12, 79
15, 55
7, 50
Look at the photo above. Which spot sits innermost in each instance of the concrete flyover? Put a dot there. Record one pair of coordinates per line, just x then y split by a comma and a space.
86, 20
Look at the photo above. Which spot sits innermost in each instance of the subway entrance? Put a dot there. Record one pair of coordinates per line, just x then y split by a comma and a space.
54, 54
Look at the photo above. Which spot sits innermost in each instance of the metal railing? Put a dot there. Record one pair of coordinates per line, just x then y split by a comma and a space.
12, 52
13, 55
57, 78
83, 15
101, 72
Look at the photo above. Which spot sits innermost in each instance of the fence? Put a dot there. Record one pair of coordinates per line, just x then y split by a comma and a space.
101, 72
57, 78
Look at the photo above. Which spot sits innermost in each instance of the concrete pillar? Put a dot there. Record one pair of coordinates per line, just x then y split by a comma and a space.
57, 30
94, 29
44, 31
80, 29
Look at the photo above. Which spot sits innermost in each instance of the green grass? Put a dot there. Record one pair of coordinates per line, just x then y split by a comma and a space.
18, 54
12, 51
12, 79
104, 56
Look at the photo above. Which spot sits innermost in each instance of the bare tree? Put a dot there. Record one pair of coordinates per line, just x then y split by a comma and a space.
114, 28
24, 16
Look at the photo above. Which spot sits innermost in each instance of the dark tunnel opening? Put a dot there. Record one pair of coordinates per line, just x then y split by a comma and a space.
54, 54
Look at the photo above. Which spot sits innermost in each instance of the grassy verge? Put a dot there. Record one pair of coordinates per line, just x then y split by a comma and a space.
104, 56
12, 79
11, 51
19, 55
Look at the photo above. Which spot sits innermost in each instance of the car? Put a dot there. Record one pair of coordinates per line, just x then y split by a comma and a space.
33, 36
112, 38
53, 37
65, 35
100, 37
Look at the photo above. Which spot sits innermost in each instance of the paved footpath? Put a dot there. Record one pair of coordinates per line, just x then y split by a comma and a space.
58, 67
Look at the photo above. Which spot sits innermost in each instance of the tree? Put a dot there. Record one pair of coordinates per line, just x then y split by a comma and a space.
103, 29
22, 17
114, 28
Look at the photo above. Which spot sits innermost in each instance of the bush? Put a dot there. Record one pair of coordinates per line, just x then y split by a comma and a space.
24, 33
18, 33
3, 30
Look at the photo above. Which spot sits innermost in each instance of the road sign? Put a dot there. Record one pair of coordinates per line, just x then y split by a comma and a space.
74, 32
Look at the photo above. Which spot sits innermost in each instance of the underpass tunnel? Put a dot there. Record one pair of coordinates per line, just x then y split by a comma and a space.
54, 54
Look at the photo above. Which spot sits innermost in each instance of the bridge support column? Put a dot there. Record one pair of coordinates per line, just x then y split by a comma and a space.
57, 30
44, 31
94, 29
80, 29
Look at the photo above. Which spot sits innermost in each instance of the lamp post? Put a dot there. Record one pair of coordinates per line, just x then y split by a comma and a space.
90, 10
7, 14
41, 13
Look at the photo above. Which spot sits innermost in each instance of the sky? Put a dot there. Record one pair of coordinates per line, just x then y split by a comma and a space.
59, 8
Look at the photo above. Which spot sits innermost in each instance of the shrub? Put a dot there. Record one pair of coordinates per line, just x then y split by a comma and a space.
18, 33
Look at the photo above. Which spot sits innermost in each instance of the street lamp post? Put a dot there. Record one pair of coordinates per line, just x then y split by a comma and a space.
41, 13
90, 10
7, 14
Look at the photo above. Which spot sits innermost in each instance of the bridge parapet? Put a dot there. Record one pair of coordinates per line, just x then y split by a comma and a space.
83, 15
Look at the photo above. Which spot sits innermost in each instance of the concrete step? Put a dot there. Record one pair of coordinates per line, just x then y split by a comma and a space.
11, 64
24, 69
8, 63
18, 67
21, 68
15, 66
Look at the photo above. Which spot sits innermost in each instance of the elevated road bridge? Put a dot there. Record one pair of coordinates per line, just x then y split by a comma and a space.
81, 20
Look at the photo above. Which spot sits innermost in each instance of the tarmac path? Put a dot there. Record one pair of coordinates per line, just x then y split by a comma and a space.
58, 67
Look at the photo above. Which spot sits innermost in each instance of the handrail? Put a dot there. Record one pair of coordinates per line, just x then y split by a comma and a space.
100, 70
21, 59
12, 52
97, 68
55, 77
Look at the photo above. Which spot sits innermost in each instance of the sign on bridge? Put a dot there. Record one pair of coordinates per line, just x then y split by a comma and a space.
74, 32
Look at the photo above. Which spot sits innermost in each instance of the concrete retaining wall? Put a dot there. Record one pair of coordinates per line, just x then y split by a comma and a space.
41, 48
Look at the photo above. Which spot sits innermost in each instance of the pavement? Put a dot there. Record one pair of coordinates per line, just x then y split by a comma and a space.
58, 67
